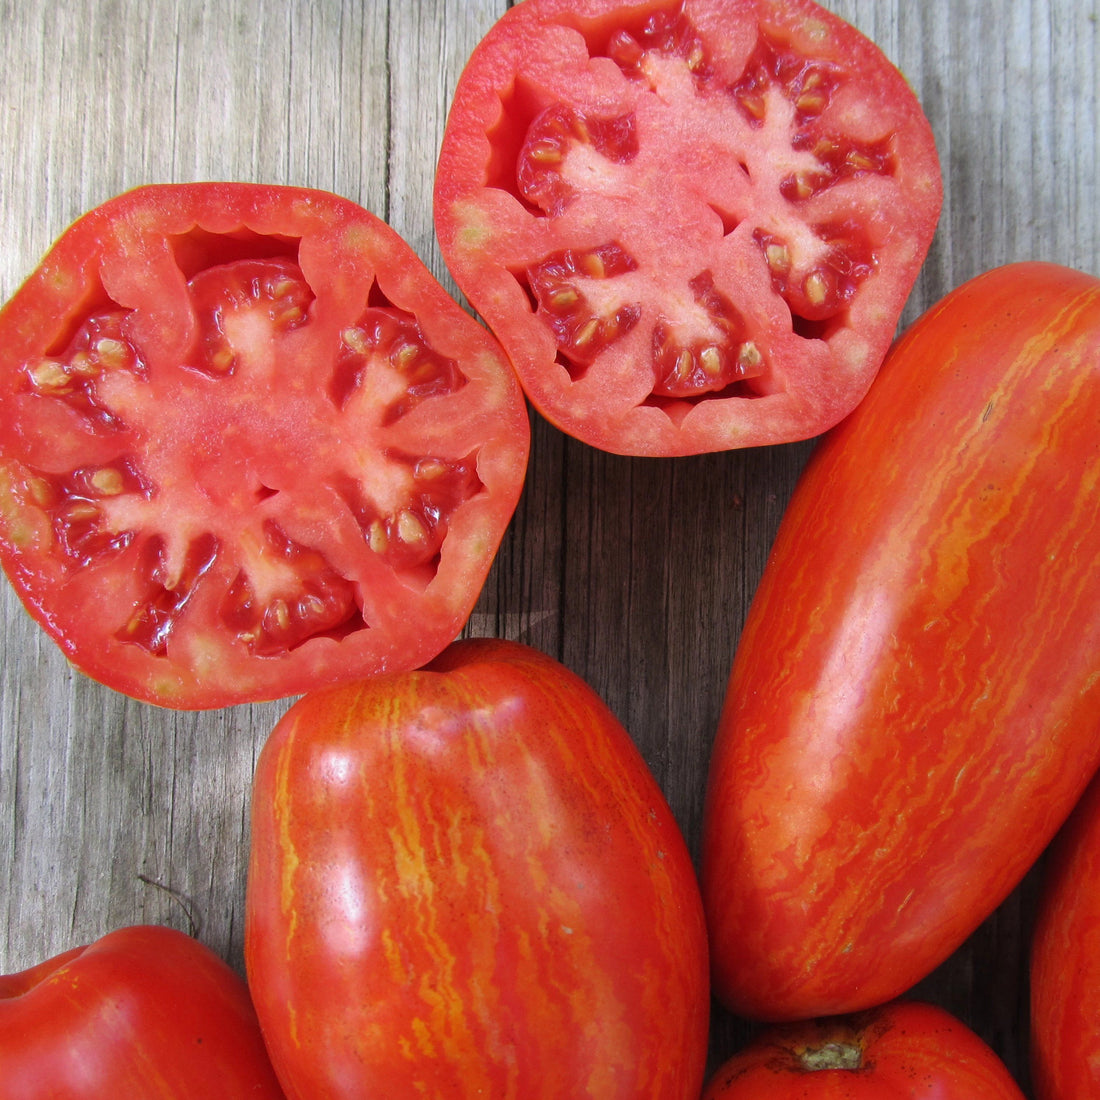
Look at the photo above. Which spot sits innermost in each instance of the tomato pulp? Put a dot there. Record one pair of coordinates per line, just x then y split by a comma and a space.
693, 225
465, 882
248, 445
913, 706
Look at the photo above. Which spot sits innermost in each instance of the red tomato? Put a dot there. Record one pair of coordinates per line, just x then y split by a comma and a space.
142, 1013
248, 445
904, 1051
693, 226
465, 882
1065, 962
914, 706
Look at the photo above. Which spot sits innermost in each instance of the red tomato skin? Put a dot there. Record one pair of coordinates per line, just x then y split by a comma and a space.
290, 457
689, 207
906, 1050
912, 708
1065, 962
464, 882
145, 1012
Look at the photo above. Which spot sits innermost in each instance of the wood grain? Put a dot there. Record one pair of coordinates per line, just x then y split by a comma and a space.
636, 573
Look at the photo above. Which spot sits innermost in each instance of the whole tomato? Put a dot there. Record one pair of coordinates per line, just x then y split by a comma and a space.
144, 1013
914, 706
465, 882
1065, 962
902, 1051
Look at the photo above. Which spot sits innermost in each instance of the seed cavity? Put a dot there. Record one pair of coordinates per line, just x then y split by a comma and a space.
574, 294
689, 361
665, 37
553, 135
820, 282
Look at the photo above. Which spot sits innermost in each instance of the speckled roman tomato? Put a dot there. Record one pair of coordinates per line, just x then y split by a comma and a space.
465, 883
1065, 962
144, 1013
904, 1051
914, 706
693, 224
248, 445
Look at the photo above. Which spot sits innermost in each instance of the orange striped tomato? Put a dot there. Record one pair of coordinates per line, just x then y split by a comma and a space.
1065, 962
904, 1051
914, 705
465, 882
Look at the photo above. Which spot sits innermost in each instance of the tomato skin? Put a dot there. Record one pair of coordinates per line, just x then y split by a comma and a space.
248, 445
693, 226
1065, 965
912, 709
144, 1012
465, 882
903, 1051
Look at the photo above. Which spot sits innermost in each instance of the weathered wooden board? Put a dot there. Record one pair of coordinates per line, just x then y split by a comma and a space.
636, 573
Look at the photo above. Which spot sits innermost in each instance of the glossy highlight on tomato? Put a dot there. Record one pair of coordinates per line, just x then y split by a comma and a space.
248, 445
693, 224
914, 705
1065, 961
907, 1050
143, 1012
465, 882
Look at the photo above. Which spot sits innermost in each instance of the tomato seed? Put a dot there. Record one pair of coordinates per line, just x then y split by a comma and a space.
108, 481
587, 332
409, 528
749, 359
377, 539
112, 354
778, 257
49, 374
356, 340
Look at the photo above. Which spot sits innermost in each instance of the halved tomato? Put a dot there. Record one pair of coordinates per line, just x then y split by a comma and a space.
692, 224
248, 445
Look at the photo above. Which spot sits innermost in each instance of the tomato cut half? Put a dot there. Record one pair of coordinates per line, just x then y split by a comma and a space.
248, 445
693, 225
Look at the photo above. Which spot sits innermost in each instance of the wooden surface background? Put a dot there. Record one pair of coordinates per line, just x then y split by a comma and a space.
635, 573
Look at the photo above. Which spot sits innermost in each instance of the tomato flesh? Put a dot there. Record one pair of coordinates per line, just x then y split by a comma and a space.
763, 177
272, 462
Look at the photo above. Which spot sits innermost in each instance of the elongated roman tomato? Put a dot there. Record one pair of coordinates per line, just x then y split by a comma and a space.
248, 445
464, 882
144, 1013
903, 1051
693, 224
1065, 962
914, 706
